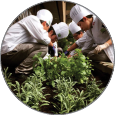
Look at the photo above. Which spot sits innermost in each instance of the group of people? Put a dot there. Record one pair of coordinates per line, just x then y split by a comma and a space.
91, 35
34, 34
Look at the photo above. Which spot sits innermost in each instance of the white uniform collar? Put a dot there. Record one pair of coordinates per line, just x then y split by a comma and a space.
93, 23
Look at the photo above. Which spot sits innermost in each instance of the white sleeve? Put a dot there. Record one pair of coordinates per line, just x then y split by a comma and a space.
89, 41
56, 49
33, 26
46, 56
80, 42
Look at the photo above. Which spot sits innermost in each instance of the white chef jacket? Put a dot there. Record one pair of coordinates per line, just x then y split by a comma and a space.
80, 42
28, 29
83, 45
56, 51
99, 37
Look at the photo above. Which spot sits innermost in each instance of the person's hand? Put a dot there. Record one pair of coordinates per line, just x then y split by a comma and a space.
51, 50
66, 53
99, 48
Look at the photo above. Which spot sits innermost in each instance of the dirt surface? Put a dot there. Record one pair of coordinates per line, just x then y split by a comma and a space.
49, 90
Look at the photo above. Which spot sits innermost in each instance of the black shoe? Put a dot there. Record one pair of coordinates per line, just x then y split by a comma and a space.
21, 77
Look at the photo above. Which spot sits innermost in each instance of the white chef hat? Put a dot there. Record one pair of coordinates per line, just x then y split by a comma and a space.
61, 30
45, 15
77, 13
73, 27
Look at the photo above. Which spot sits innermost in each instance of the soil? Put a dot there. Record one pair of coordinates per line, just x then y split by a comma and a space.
49, 108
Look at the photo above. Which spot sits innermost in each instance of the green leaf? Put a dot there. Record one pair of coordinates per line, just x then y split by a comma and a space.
35, 107
63, 72
83, 72
53, 83
91, 100
18, 85
48, 83
44, 104
60, 96
82, 57
55, 65
84, 64
81, 94
69, 96
35, 56
41, 61
27, 99
37, 72
10, 84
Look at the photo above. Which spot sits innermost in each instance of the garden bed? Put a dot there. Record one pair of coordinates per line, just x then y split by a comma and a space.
104, 78
59, 86
98, 75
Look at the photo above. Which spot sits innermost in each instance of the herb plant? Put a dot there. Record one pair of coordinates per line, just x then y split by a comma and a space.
77, 68
62, 74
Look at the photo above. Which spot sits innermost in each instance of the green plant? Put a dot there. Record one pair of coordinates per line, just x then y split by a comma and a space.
31, 92
82, 68
66, 42
69, 99
92, 90
62, 73
7, 77
78, 68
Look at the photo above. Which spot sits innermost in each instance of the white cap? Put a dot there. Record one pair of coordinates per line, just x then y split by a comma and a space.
61, 30
77, 13
73, 27
45, 15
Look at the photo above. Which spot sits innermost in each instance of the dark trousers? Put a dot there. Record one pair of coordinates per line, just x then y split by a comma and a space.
101, 56
21, 57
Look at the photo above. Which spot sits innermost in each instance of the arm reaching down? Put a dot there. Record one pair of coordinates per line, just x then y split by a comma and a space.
99, 48
74, 46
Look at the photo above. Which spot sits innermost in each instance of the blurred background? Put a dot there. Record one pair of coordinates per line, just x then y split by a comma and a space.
59, 9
